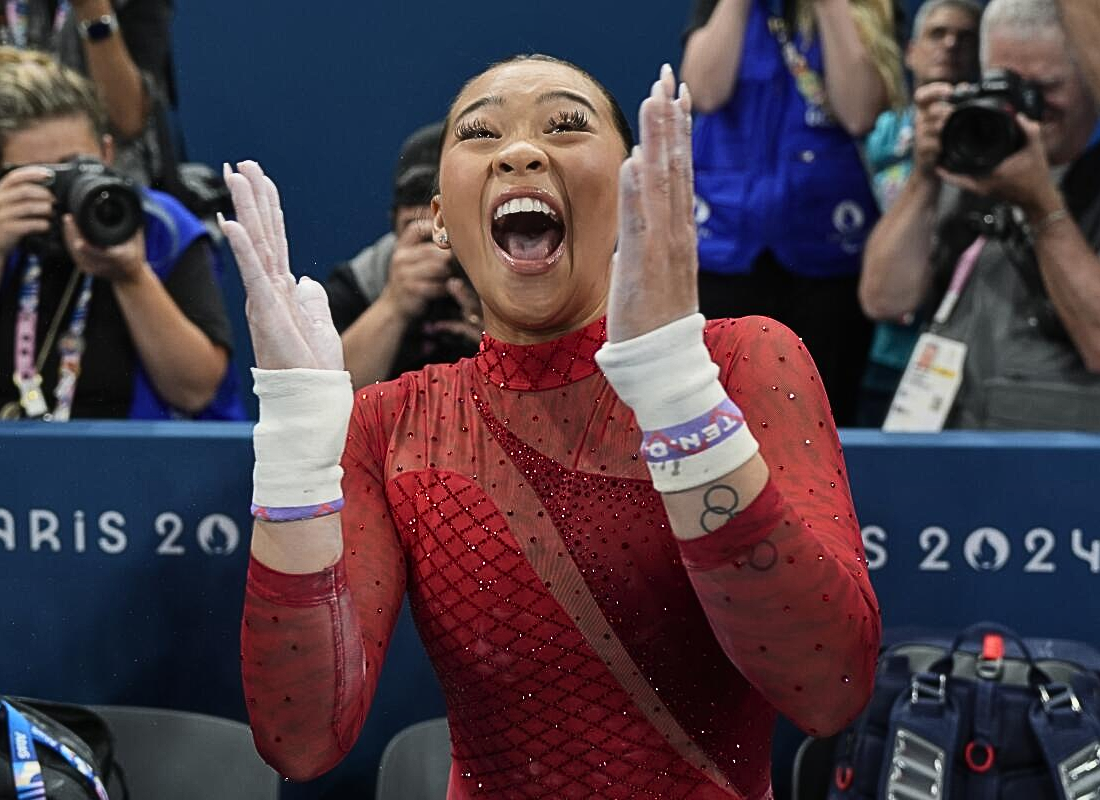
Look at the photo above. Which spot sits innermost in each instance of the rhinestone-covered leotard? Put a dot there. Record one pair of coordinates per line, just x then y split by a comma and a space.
582, 649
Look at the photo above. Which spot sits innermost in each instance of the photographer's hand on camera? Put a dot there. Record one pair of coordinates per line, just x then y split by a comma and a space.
932, 111
120, 264
470, 322
419, 271
26, 207
1022, 179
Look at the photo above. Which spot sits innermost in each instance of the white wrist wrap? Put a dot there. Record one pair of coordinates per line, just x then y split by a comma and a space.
693, 432
300, 437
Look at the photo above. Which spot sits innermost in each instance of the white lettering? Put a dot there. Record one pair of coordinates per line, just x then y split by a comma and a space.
657, 449
44, 525
934, 541
1091, 556
711, 432
691, 442
874, 545
22, 747
80, 540
729, 423
7, 529
169, 526
1040, 542
113, 540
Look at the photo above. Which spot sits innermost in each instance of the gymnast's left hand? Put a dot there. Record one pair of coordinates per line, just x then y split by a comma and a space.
654, 273
289, 321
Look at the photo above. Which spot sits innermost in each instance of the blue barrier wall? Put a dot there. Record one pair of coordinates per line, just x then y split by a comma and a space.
123, 552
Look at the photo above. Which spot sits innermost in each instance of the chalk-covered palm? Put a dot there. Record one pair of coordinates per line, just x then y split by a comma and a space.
289, 321
654, 272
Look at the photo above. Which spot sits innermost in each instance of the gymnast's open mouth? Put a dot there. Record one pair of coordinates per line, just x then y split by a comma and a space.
528, 230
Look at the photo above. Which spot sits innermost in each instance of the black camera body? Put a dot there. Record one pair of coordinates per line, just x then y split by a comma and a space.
105, 205
982, 131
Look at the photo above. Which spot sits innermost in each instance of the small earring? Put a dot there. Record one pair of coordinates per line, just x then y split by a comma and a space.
443, 238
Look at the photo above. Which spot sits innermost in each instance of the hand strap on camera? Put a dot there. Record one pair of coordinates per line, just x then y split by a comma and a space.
28, 371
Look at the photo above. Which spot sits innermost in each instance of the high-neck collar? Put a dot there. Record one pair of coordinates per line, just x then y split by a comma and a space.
546, 365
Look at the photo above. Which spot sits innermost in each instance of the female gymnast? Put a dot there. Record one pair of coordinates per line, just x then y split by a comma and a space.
626, 535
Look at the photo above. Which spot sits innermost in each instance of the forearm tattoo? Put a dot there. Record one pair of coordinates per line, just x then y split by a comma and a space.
720, 504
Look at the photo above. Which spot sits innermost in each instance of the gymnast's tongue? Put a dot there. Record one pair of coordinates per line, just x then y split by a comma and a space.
528, 236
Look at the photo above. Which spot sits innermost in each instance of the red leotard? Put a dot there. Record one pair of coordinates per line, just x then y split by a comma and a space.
583, 650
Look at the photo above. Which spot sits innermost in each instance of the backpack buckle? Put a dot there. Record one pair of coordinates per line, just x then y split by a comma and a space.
929, 687
1080, 773
1058, 697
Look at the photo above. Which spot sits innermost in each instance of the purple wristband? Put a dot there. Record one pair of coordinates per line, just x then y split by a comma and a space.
694, 436
292, 513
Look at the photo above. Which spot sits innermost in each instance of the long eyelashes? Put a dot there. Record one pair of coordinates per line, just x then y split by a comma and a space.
575, 120
561, 122
472, 129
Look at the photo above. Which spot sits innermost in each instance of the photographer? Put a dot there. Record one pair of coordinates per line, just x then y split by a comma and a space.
403, 302
943, 47
133, 327
1011, 248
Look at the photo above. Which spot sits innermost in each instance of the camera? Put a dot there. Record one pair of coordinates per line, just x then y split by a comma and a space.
105, 205
982, 131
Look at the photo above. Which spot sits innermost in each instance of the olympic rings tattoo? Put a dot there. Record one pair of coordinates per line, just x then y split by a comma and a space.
720, 504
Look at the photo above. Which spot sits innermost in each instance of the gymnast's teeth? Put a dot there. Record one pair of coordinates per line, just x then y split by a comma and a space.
520, 205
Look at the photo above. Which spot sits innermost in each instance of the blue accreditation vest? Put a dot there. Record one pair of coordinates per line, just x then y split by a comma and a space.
169, 230
771, 173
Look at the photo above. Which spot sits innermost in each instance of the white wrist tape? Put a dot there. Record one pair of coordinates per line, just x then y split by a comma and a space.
300, 437
692, 432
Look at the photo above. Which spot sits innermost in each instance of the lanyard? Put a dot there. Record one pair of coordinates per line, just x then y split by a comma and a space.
808, 82
25, 769
17, 13
28, 374
961, 276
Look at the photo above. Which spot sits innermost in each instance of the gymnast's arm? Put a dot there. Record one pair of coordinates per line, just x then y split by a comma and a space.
308, 664
321, 601
802, 626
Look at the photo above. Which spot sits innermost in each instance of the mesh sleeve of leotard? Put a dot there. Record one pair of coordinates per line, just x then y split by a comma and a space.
785, 583
311, 648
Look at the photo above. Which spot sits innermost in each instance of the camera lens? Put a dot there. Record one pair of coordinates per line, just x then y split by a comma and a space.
978, 136
107, 209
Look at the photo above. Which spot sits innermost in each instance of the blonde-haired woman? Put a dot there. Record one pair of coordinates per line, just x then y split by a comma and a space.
782, 92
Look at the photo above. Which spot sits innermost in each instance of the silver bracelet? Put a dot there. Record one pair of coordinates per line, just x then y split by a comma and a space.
1048, 220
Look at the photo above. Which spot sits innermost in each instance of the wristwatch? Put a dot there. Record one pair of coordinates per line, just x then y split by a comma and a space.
96, 30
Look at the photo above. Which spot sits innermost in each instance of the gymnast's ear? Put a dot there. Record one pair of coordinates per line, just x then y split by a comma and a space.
439, 227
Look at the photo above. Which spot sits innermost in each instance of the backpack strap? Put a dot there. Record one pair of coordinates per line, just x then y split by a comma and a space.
1069, 735
918, 758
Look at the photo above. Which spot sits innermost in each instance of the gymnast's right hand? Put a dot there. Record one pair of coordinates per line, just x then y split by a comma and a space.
289, 322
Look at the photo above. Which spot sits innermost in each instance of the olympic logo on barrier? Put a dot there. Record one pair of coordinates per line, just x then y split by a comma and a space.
986, 550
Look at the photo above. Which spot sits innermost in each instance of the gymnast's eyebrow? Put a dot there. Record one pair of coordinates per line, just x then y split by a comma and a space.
488, 100
563, 94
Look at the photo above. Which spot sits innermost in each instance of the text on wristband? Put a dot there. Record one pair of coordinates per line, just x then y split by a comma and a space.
693, 436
